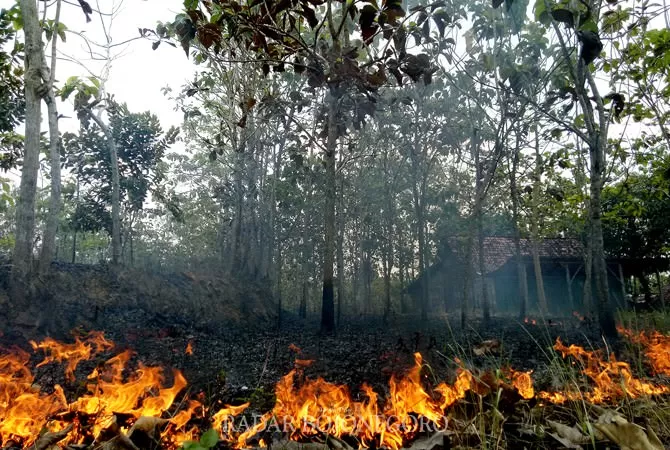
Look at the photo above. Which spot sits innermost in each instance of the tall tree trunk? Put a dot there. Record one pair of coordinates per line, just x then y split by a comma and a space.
421, 228
49, 241
401, 271
520, 266
278, 293
604, 307
587, 290
535, 205
302, 309
340, 255
74, 228
25, 207
467, 276
327, 304
478, 216
116, 188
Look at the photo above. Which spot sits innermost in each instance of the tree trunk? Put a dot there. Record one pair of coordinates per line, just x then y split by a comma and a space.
568, 281
421, 228
401, 271
116, 188
278, 294
25, 206
535, 230
520, 266
340, 256
302, 310
478, 213
603, 305
587, 291
467, 276
49, 240
327, 304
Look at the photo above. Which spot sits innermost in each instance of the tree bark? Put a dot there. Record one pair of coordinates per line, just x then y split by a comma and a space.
340, 256
327, 303
603, 305
467, 276
25, 206
478, 215
535, 231
49, 241
520, 266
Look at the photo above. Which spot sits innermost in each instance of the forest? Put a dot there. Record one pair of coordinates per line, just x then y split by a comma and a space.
392, 175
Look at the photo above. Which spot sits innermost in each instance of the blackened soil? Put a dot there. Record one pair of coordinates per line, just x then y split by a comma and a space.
236, 363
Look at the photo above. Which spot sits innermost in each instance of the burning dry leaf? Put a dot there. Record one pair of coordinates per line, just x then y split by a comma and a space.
48, 440
628, 436
147, 425
487, 346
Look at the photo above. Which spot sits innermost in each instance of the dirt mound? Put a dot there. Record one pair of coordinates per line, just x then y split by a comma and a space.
93, 296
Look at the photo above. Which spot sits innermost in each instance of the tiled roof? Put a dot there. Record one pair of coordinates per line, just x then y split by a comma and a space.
498, 250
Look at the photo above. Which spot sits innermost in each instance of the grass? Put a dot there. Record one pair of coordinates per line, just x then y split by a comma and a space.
495, 430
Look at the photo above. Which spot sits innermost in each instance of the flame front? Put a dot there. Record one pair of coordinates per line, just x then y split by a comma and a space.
656, 348
24, 410
304, 408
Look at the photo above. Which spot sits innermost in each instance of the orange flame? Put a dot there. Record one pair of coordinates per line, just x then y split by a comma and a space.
304, 408
522, 382
189, 348
74, 353
656, 348
613, 379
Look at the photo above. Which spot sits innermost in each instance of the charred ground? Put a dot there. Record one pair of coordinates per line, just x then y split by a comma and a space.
237, 348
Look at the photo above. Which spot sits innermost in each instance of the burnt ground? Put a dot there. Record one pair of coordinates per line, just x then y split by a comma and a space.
238, 354
237, 363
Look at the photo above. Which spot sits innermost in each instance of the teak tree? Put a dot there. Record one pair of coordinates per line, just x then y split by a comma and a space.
314, 37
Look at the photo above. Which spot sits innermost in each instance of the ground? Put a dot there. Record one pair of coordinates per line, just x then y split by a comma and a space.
235, 353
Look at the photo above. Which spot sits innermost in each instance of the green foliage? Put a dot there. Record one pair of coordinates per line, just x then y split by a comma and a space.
141, 144
207, 441
12, 101
50, 27
637, 213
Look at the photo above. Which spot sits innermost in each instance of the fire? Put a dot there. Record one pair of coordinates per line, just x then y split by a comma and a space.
24, 410
304, 408
656, 348
320, 406
612, 379
189, 348
72, 354
526, 320
522, 382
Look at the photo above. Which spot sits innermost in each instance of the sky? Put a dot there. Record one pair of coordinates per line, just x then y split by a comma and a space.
138, 73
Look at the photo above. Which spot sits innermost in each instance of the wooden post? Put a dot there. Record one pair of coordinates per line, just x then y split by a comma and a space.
623, 284
660, 289
568, 281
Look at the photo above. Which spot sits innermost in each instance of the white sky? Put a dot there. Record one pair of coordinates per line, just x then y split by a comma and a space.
139, 73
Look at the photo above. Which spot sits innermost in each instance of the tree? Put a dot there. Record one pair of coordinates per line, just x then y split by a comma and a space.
12, 100
54, 32
277, 34
115, 163
35, 78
